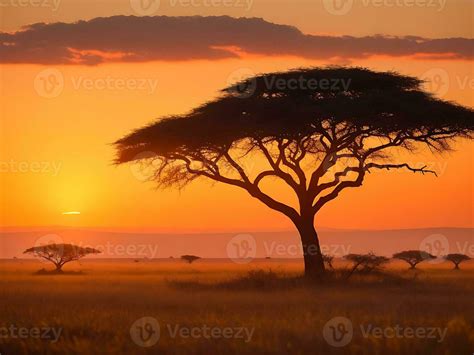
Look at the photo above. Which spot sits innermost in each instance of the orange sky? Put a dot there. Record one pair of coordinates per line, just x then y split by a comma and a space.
56, 154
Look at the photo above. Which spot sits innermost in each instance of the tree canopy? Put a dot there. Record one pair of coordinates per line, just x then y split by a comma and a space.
60, 254
190, 258
413, 257
374, 103
457, 259
366, 262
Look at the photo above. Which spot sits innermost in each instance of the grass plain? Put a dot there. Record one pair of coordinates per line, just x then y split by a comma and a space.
96, 307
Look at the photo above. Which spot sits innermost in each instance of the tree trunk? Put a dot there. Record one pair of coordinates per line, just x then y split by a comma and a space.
58, 268
313, 259
456, 266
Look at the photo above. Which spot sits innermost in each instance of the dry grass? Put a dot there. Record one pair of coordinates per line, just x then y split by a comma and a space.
96, 308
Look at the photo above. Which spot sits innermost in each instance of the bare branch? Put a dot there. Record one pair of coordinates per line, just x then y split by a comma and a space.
421, 170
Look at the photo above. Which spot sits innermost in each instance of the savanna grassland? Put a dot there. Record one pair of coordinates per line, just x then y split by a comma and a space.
277, 311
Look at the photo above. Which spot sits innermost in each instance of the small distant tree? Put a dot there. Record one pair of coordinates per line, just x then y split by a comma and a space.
190, 258
366, 263
413, 257
328, 260
60, 254
457, 259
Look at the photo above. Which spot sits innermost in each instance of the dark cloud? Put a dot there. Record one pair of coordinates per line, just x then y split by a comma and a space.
142, 39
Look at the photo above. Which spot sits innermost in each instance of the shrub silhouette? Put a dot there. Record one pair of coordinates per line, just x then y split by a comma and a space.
60, 254
366, 263
413, 257
190, 258
457, 259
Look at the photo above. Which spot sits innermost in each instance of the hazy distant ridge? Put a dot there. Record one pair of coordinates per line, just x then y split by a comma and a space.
214, 245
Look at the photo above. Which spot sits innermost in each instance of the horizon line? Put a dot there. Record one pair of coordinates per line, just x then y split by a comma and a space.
157, 230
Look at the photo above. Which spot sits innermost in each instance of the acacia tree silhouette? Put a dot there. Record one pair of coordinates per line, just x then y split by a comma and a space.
190, 258
60, 254
317, 139
457, 259
413, 257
